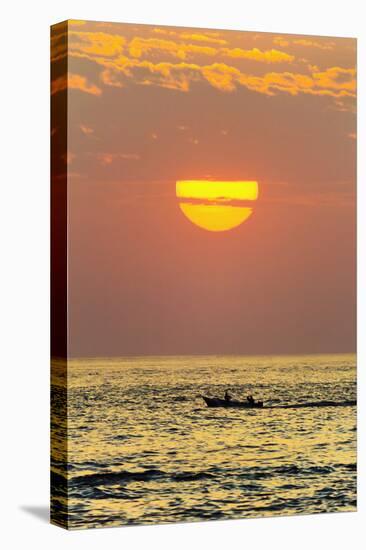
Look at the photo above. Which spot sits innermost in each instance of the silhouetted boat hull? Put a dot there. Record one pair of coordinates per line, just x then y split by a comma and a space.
216, 402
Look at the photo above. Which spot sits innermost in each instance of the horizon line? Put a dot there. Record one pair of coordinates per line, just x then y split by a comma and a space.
135, 356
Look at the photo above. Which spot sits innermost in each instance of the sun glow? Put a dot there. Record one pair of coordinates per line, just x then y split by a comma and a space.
216, 205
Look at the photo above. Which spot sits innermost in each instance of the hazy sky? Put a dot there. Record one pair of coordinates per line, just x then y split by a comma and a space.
152, 105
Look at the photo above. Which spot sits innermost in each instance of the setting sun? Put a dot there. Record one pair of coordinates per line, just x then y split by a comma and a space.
216, 205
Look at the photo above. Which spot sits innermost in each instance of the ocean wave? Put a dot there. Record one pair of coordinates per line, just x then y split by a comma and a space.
116, 477
152, 474
124, 476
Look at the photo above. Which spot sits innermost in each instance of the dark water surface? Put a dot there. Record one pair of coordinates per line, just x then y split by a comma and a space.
143, 447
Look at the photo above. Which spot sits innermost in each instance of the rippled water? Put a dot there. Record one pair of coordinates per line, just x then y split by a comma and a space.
144, 448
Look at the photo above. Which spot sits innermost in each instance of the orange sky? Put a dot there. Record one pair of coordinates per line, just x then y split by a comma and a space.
152, 105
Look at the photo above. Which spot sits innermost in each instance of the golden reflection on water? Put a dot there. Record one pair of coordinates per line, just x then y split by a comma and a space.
144, 448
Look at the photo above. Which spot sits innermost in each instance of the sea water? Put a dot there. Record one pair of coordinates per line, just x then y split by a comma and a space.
143, 447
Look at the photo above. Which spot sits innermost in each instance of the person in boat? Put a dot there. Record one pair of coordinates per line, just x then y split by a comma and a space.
227, 396
250, 399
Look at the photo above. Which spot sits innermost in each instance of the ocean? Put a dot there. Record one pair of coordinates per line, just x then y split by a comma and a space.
143, 447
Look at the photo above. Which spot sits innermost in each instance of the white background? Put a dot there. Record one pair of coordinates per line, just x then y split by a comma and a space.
24, 204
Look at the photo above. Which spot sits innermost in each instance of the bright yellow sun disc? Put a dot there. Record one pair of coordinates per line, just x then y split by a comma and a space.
216, 205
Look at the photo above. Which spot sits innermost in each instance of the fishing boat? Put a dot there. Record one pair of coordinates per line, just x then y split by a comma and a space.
217, 402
